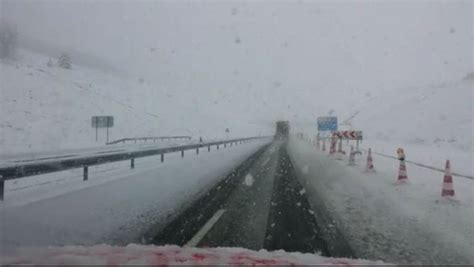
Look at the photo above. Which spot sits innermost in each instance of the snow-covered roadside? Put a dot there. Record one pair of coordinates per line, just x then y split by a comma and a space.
43, 156
119, 211
400, 224
431, 155
168, 255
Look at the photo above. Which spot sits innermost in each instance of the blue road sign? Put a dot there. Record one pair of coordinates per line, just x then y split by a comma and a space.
327, 124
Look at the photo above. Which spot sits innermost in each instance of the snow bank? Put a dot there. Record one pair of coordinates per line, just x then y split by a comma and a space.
165, 255
405, 224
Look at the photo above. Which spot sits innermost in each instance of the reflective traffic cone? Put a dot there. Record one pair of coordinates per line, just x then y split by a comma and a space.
448, 189
370, 164
402, 172
332, 148
351, 157
339, 148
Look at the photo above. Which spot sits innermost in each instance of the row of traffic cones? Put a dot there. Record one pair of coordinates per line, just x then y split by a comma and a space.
447, 190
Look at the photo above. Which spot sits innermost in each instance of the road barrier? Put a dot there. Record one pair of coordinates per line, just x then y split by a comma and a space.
31, 169
427, 166
145, 139
411, 162
448, 189
369, 167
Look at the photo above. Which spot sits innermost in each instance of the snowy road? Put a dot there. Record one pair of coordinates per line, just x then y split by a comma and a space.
116, 211
261, 206
286, 196
404, 224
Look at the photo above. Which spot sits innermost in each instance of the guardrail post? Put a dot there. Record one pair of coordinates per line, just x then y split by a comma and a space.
86, 173
162, 157
231, 143
225, 145
182, 153
132, 164
2, 190
197, 150
209, 148
217, 147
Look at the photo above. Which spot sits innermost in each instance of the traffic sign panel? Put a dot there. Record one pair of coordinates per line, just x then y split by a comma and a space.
102, 121
352, 135
327, 124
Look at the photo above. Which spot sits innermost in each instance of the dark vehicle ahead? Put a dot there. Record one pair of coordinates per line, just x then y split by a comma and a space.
282, 130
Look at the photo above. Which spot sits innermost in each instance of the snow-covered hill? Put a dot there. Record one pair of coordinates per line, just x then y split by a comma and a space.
432, 115
47, 108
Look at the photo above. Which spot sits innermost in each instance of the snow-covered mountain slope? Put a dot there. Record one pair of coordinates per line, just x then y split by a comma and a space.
47, 108
433, 115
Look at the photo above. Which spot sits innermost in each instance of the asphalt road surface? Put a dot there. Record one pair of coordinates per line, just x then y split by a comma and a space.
260, 205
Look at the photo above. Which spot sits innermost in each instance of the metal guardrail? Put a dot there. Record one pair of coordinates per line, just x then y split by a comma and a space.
135, 139
30, 169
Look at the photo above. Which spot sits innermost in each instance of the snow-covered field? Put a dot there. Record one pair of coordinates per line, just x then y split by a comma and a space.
408, 223
168, 255
48, 108
116, 205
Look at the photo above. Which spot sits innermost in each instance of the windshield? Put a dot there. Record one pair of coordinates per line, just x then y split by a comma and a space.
286, 132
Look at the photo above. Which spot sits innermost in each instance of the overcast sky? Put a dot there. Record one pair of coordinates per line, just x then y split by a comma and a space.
265, 46
302, 43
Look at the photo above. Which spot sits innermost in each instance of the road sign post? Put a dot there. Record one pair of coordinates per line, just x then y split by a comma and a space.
102, 122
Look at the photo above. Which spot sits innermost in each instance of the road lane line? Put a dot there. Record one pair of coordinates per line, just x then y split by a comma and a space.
265, 162
205, 229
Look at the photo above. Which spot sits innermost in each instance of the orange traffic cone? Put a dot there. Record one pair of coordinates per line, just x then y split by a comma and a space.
370, 164
402, 172
448, 189
339, 147
332, 147
351, 157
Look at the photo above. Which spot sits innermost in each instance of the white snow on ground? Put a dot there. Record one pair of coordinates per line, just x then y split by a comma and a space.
431, 155
167, 255
382, 220
117, 205
249, 180
49, 108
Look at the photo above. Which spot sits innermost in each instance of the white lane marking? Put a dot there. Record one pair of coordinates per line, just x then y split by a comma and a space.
203, 231
265, 162
249, 180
